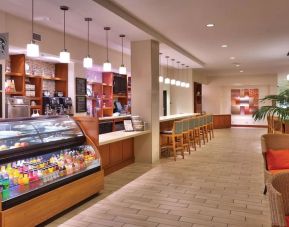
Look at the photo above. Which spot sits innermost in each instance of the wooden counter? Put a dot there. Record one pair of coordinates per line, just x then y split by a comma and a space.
222, 121
121, 117
117, 149
167, 122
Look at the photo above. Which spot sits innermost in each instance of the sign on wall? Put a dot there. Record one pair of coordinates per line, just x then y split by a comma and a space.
244, 101
4, 46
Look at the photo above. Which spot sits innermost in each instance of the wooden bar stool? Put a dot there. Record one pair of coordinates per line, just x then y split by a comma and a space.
198, 130
193, 137
211, 125
174, 139
203, 129
186, 135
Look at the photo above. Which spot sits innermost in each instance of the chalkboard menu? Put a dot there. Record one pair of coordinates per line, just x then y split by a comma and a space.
80, 86
81, 105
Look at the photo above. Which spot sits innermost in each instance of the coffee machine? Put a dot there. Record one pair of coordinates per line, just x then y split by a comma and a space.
57, 105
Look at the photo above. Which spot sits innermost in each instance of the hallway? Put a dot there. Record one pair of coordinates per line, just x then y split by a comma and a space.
220, 184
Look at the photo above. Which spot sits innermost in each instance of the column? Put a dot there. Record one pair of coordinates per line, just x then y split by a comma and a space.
145, 97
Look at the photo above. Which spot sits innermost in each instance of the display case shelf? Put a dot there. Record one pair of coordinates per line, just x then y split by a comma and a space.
14, 74
14, 93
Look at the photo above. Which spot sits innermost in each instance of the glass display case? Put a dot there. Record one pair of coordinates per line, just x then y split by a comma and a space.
38, 155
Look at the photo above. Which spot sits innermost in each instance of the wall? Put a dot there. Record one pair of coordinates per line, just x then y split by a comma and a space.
217, 94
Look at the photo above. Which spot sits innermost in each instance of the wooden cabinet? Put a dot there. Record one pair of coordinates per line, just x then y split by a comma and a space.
116, 155
222, 121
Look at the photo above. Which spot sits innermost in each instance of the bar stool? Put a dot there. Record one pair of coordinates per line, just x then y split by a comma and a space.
203, 129
210, 126
197, 130
186, 135
174, 139
193, 137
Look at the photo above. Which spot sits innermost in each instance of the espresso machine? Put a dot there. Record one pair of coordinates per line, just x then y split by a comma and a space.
57, 105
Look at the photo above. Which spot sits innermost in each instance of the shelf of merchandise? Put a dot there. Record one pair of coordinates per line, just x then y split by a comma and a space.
17, 65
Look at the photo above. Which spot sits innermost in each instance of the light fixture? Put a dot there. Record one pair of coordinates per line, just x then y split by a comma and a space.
106, 65
210, 25
287, 77
188, 77
178, 83
161, 78
167, 80
32, 48
122, 68
236, 64
232, 58
173, 81
64, 55
87, 61
241, 71
183, 84
224, 45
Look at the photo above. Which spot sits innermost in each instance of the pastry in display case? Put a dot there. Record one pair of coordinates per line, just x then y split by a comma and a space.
39, 156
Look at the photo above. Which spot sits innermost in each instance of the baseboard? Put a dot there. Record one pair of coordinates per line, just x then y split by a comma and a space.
251, 126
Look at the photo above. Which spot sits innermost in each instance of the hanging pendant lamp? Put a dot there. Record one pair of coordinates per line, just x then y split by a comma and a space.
106, 65
161, 78
87, 61
32, 48
178, 82
173, 81
167, 80
183, 84
188, 77
122, 68
64, 55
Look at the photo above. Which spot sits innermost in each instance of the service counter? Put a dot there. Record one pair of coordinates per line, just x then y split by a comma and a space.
166, 122
117, 149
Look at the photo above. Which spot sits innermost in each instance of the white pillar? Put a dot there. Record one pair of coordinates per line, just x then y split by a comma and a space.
145, 97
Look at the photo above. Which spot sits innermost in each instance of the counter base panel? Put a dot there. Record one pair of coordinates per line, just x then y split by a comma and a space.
45, 206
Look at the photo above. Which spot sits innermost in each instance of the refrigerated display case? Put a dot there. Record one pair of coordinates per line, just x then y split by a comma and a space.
47, 165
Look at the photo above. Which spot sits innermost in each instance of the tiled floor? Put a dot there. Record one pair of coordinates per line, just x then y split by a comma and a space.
220, 184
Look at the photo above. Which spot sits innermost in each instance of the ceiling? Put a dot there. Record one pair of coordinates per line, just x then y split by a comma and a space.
47, 13
256, 31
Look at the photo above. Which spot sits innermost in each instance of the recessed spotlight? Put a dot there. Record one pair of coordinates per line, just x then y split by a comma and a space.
236, 64
210, 25
42, 18
224, 45
241, 71
232, 58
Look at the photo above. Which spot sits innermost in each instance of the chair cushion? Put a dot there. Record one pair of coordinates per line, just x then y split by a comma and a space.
287, 220
277, 159
166, 132
275, 171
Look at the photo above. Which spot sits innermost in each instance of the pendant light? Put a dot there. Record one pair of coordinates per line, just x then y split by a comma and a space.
64, 55
106, 65
32, 48
188, 77
173, 81
183, 84
167, 80
122, 68
87, 61
161, 78
178, 83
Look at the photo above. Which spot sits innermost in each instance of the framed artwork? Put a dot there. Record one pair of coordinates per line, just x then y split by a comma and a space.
244, 101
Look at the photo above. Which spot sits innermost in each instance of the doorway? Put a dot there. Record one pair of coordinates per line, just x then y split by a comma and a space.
165, 103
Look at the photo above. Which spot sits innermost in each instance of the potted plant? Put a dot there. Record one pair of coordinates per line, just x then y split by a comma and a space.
279, 107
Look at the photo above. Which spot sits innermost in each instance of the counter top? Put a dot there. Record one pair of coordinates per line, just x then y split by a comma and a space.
113, 117
118, 136
177, 116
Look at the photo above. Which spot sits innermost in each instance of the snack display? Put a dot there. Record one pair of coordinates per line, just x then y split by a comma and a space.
44, 169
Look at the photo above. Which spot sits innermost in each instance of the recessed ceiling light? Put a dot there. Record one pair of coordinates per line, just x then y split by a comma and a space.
236, 64
241, 71
42, 18
224, 45
232, 58
210, 25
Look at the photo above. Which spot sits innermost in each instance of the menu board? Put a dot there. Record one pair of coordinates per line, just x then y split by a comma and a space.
81, 105
80, 86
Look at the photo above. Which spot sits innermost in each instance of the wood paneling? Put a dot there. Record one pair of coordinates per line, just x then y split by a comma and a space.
41, 208
127, 149
222, 121
116, 155
115, 152
104, 154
